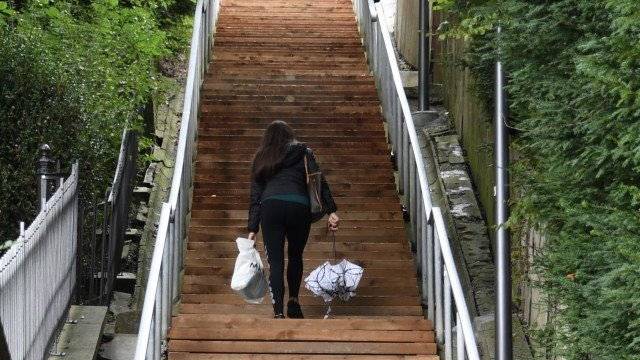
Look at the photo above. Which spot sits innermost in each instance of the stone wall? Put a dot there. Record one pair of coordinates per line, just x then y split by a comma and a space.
471, 119
534, 311
453, 83
167, 126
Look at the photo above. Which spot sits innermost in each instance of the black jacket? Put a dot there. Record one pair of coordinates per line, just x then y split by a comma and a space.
289, 179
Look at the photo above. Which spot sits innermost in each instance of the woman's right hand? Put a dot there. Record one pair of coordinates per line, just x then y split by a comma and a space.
333, 221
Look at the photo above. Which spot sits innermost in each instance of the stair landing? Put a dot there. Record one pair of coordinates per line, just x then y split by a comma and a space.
300, 61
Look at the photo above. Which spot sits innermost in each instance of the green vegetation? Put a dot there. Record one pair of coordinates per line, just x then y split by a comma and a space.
73, 74
574, 84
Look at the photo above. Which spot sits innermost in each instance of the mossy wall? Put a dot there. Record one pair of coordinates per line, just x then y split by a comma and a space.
469, 114
455, 84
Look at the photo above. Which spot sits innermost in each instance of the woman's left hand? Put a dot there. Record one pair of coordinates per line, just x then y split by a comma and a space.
333, 221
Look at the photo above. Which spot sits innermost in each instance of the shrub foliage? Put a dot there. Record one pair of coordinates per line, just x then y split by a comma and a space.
574, 84
73, 74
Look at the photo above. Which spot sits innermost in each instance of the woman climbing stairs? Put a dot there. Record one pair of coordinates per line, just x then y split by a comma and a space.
300, 61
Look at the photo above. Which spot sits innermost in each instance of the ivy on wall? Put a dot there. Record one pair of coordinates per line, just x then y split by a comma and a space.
574, 91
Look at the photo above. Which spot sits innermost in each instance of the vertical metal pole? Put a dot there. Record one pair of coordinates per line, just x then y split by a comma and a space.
460, 351
448, 342
439, 301
424, 259
175, 260
424, 61
430, 269
92, 266
503, 247
157, 319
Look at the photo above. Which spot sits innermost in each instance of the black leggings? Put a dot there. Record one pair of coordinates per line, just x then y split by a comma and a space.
280, 219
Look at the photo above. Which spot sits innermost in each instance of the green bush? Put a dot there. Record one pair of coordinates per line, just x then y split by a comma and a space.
573, 72
73, 76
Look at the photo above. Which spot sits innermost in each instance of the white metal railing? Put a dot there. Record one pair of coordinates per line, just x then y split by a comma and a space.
439, 279
163, 282
38, 274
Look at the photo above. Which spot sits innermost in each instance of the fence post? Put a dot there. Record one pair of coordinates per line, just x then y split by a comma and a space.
4, 348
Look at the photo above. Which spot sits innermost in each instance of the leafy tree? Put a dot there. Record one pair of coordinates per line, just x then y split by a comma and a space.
574, 96
73, 74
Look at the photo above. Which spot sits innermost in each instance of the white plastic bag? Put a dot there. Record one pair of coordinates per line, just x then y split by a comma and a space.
248, 278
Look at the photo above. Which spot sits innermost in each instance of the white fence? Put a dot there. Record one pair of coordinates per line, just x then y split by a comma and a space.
163, 281
37, 274
439, 279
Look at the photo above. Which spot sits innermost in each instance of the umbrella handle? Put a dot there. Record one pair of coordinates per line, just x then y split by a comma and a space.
334, 246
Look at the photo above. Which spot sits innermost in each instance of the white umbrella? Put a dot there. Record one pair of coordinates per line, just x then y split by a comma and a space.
331, 281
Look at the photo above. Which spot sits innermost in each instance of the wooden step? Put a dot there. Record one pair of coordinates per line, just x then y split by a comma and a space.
238, 356
310, 311
366, 282
300, 61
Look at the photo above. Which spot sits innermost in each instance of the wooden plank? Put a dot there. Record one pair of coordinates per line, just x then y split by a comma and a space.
309, 254
404, 290
391, 274
301, 334
196, 356
234, 321
368, 264
367, 281
306, 299
307, 347
310, 311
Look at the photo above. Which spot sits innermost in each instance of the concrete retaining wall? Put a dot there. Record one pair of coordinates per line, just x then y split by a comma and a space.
406, 29
534, 310
472, 120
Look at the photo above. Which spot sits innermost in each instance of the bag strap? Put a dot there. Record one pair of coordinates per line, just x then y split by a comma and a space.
306, 168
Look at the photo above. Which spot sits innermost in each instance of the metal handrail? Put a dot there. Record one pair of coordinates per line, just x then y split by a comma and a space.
439, 279
163, 282
116, 215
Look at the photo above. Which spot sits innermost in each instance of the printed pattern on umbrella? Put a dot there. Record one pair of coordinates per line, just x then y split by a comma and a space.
335, 281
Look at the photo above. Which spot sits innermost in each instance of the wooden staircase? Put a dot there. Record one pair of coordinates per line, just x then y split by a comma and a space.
300, 61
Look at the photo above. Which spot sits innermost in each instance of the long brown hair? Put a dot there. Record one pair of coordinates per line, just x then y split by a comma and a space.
272, 150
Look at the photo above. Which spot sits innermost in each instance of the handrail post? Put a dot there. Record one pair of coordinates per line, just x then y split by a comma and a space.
427, 263
503, 246
459, 338
448, 344
424, 56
